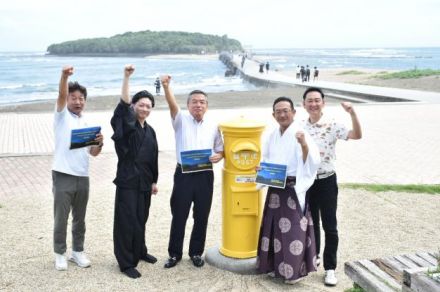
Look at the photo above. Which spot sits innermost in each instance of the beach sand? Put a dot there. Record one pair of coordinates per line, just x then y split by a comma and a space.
367, 77
26, 234
217, 100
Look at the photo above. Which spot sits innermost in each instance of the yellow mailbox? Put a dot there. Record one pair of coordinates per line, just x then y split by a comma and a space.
242, 202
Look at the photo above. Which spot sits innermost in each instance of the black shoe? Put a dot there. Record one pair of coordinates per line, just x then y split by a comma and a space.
197, 261
171, 262
149, 258
132, 273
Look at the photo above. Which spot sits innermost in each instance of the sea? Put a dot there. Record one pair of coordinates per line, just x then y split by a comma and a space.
33, 76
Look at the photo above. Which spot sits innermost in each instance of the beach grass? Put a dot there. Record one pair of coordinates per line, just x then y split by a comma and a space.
410, 188
434, 273
355, 288
408, 74
351, 72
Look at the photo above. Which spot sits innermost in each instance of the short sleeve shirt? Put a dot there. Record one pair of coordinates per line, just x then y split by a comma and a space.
325, 133
66, 160
193, 135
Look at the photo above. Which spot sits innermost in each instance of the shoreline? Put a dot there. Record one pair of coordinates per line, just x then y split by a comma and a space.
217, 100
260, 97
118, 55
366, 76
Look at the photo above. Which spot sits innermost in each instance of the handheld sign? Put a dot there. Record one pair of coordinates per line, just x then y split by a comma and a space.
84, 137
273, 175
196, 160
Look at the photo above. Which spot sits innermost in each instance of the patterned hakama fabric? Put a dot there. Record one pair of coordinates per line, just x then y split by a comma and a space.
286, 241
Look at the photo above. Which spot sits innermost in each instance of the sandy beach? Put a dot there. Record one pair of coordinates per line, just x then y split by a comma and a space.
368, 77
364, 217
217, 100
26, 241
185, 56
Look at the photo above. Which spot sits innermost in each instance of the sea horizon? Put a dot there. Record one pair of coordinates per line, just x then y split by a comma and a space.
34, 75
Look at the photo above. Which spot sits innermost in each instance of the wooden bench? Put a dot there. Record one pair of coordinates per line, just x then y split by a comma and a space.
398, 273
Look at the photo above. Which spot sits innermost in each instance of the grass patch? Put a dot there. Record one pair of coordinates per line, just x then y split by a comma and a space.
351, 72
433, 274
408, 74
356, 288
427, 189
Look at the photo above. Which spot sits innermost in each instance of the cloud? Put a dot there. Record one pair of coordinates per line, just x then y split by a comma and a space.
33, 25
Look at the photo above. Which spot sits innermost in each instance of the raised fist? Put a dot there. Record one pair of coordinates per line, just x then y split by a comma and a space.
301, 138
165, 80
128, 70
67, 71
348, 107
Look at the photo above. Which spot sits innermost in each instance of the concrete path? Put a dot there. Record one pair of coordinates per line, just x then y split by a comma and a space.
251, 69
400, 144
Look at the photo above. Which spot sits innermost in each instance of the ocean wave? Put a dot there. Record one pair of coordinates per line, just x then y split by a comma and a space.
34, 75
17, 86
21, 54
378, 53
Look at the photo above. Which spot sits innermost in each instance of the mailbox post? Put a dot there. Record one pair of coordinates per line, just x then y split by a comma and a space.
242, 202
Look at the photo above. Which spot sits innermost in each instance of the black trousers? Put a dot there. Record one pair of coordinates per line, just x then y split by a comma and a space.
323, 198
132, 208
197, 188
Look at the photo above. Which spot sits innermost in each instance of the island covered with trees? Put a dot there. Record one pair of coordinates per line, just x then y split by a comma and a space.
147, 43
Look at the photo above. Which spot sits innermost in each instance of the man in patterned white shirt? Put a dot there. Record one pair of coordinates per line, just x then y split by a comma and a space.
323, 194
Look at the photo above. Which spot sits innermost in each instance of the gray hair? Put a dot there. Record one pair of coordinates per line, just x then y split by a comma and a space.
196, 92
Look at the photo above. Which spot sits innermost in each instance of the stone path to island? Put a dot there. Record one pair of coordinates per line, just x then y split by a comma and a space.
251, 70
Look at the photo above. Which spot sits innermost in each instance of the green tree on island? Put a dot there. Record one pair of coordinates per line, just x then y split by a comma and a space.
147, 43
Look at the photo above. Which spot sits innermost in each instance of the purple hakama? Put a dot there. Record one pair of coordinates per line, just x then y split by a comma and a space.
286, 241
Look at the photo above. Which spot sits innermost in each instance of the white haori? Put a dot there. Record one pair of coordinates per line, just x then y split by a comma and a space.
285, 149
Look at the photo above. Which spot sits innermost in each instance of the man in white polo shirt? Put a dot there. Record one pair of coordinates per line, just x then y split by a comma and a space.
193, 131
70, 171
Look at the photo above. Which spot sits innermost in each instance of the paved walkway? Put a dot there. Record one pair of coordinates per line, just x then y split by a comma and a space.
251, 69
400, 143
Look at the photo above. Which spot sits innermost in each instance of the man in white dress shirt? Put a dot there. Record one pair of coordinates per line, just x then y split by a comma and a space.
193, 131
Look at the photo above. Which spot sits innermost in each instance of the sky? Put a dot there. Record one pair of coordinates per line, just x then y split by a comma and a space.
31, 25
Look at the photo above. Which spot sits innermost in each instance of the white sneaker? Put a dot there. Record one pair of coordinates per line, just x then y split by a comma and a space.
80, 258
293, 282
60, 262
271, 274
330, 278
